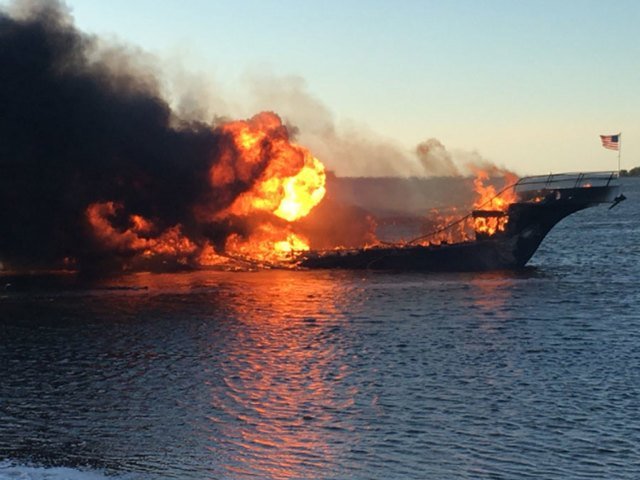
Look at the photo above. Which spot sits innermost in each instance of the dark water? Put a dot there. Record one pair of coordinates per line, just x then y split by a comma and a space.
334, 375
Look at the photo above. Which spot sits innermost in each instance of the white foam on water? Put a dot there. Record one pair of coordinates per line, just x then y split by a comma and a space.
16, 471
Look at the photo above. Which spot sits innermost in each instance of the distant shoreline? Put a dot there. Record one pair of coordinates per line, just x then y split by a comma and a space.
634, 172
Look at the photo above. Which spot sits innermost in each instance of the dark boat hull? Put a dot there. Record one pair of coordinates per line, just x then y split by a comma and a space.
468, 256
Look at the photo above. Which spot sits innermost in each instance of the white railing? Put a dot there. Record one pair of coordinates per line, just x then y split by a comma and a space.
567, 180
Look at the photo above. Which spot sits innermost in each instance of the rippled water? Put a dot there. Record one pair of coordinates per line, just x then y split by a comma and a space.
279, 374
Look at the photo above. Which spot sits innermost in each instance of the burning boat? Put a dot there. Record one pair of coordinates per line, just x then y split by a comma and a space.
507, 233
111, 179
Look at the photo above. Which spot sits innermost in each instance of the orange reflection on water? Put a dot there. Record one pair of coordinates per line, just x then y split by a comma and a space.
283, 379
492, 292
276, 369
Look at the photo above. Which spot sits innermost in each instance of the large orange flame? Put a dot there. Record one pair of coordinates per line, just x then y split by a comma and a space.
279, 183
292, 180
291, 183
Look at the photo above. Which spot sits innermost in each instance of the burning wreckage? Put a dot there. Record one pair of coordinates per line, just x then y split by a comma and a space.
506, 237
268, 217
256, 206
100, 175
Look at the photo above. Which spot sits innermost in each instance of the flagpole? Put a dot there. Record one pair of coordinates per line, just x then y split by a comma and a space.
619, 151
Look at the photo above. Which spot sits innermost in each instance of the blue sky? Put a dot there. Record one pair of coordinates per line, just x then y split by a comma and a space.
527, 84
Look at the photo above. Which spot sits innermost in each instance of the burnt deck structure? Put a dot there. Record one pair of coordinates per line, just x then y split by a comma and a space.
542, 201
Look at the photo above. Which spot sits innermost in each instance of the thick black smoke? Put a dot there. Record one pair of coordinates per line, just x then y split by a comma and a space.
77, 128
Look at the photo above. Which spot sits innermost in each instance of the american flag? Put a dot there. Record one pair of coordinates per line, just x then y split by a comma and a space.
612, 142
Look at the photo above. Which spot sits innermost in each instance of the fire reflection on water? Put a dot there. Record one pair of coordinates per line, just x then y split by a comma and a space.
491, 292
262, 373
322, 375
281, 382
492, 297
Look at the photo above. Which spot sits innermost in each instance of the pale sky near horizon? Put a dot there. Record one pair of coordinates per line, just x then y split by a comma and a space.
528, 84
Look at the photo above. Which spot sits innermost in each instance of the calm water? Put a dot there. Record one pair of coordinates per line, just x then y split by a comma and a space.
334, 375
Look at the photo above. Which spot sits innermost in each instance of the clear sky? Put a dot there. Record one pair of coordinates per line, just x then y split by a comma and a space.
528, 84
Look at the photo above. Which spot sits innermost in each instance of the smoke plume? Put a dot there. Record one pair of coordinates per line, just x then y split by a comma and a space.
346, 148
354, 150
95, 167
435, 159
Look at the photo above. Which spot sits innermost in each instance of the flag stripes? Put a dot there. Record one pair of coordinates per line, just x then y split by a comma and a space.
612, 142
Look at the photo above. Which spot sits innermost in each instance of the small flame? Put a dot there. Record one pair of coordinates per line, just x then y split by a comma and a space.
490, 200
267, 244
446, 227
170, 243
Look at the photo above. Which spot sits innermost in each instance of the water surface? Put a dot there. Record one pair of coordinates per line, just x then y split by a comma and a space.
279, 374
